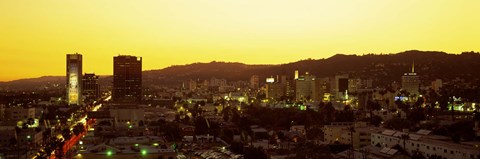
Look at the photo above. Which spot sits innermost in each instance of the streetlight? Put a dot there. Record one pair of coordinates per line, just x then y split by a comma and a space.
109, 153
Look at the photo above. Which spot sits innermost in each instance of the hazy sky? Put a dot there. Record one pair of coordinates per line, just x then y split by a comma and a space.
35, 35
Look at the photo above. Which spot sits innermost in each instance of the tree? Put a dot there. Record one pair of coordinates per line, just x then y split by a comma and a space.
398, 124
416, 115
405, 137
376, 120
255, 153
201, 126
105, 123
327, 111
418, 155
310, 150
236, 147
78, 129
186, 119
12, 141
30, 121
352, 130
66, 133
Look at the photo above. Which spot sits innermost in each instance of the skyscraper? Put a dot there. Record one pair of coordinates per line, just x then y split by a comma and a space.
74, 78
91, 88
411, 82
305, 87
255, 82
296, 75
127, 79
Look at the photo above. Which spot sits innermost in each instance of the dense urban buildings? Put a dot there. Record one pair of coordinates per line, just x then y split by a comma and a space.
74, 79
248, 79
127, 79
342, 115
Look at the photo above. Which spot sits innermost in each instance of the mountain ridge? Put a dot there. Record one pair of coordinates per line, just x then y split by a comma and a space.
382, 68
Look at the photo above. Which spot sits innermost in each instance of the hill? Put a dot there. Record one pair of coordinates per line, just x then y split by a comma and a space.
382, 68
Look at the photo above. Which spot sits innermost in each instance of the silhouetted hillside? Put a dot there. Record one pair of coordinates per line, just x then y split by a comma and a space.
383, 69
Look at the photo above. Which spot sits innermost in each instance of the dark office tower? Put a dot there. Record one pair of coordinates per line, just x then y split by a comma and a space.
127, 79
74, 79
91, 88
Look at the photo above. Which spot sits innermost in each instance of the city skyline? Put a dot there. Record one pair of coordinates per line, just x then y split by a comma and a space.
169, 33
240, 79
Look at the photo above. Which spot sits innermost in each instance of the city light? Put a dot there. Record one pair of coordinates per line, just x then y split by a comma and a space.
302, 79
109, 153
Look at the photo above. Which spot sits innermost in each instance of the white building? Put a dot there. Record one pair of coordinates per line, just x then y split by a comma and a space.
18, 113
127, 117
339, 133
425, 143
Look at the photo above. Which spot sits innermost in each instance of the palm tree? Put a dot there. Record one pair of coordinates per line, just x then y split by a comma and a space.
352, 130
405, 137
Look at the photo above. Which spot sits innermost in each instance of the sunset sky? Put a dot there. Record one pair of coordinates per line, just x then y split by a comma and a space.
35, 35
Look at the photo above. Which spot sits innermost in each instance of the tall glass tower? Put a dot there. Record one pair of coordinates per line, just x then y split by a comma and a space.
127, 79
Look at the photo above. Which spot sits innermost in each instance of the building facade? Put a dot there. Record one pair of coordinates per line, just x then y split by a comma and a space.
411, 82
275, 90
127, 79
74, 79
254, 82
357, 133
19, 113
305, 87
91, 88
426, 144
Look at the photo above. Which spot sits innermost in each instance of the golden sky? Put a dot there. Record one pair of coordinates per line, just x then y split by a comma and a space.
35, 35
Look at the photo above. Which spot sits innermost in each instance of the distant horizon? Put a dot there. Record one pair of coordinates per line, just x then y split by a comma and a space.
36, 35
26, 78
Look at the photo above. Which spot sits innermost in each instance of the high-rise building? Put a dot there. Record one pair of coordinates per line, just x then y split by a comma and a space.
339, 86
215, 82
305, 87
437, 84
275, 90
354, 84
411, 82
91, 88
74, 79
127, 79
254, 82
322, 89
192, 85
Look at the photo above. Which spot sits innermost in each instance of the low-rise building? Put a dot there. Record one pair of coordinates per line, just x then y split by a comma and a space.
18, 113
344, 132
426, 144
